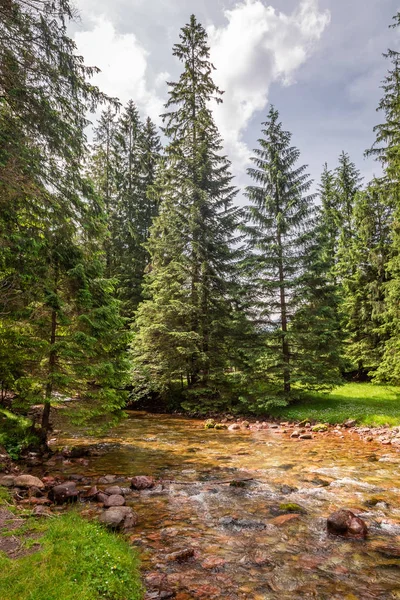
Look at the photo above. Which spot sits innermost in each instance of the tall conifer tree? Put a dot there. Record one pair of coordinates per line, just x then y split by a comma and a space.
285, 262
386, 150
183, 326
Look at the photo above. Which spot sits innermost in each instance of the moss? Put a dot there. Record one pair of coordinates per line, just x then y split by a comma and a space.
221, 426
209, 424
291, 507
320, 427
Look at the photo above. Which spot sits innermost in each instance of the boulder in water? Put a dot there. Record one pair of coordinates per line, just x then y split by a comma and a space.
142, 482
344, 523
114, 500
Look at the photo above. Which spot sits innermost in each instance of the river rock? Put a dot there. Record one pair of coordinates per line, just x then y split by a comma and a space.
180, 555
283, 519
7, 480
101, 497
345, 523
241, 523
114, 500
28, 481
306, 436
41, 511
119, 517
142, 482
350, 423
63, 493
234, 427
107, 479
114, 490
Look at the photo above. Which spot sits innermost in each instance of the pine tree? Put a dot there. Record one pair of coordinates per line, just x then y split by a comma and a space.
183, 326
57, 314
347, 183
101, 170
330, 216
386, 151
285, 263
364, 288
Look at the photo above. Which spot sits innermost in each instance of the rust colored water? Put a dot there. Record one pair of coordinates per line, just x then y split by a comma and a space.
255, 556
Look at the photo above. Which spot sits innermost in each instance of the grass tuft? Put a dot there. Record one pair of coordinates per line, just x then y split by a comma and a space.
78, 560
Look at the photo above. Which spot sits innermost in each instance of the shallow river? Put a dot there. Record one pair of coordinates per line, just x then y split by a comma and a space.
243, 547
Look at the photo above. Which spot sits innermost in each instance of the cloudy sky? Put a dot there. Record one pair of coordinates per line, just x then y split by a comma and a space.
319, 61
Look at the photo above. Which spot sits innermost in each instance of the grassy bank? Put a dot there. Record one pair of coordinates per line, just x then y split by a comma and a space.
370, 404
77, 559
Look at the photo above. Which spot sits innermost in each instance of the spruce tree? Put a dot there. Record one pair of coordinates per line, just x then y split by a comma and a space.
330, 216
101, 170
285, 265
57, 314
364, 288
183, 326
386, 151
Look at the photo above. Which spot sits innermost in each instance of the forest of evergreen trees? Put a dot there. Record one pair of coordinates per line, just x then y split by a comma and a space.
129, 271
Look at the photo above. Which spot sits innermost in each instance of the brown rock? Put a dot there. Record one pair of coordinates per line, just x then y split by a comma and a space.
28, 481
107, 479
283, 519
306, 436
345, 524
114, 500
119, 517
41, 511
101, 497
213, 562
180, 555
63, 493
142, 482
113, 490
7, 480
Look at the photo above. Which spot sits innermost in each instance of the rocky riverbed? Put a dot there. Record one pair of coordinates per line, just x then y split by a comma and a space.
248, 510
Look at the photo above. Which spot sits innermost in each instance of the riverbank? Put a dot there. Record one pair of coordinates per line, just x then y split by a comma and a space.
238, 513
55, 555
368, 404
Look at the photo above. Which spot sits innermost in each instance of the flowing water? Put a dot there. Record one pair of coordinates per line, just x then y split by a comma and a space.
243, 547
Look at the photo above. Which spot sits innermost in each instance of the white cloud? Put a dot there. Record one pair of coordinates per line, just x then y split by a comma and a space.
123, 63
256, 47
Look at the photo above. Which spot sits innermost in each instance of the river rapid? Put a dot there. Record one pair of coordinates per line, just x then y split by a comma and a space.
245, 543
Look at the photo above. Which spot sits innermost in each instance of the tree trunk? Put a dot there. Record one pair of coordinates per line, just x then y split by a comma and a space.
284, 321
49, 386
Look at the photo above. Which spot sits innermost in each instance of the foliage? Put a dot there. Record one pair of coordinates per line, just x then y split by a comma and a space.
184, 327
294, 312
16, 433
77, 559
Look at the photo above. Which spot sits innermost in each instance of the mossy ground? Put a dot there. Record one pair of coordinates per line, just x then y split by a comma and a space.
369, 404
76, 560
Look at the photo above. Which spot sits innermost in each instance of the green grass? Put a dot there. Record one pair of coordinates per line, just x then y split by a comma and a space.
78, 560
370, 404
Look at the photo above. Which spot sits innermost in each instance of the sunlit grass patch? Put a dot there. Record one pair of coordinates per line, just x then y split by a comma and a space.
78, 560
369, 404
